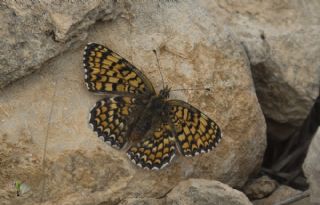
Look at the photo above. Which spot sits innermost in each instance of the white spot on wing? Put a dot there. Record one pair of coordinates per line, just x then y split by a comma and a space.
155, 168
164, 165
173, 155
107, 130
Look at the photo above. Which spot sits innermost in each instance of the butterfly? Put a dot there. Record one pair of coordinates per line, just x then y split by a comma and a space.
133, 112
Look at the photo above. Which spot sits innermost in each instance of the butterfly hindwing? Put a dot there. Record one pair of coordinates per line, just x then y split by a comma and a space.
108, 72
156, 150
111, 118
195, 132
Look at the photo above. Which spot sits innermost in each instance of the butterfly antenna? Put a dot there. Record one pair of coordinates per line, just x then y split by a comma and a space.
155, 52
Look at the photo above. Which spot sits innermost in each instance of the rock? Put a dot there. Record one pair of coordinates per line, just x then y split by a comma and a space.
311, 168
144, 201
205, 192
195, 191
260, 187
280, 194
282, 41
194, 52
33, 32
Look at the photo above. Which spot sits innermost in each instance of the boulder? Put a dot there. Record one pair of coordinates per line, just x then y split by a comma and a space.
282, 42
33, 32
205, 192
51, 107
195, 191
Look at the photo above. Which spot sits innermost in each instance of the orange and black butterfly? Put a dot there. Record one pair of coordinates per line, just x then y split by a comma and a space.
132, 111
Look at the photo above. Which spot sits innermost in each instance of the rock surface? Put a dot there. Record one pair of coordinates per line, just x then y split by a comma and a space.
203, 192
53, 104
195, 191
260, 188
311, 168
32, 32
282, 41
282, 193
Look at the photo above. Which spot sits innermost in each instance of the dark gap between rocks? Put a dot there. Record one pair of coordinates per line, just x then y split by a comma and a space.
284, 157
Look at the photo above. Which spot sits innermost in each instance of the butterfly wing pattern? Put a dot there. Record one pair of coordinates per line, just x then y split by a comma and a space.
110, 119
156, 150
107, 72
195, 132
132, 104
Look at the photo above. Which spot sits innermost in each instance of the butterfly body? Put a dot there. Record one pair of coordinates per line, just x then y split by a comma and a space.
134, 113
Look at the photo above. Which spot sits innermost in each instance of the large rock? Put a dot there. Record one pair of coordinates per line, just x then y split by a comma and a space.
282, 41
195, 191
311, 168
205, 192
194, 52
32, 32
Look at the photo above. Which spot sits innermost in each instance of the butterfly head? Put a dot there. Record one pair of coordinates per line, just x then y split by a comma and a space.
165, 92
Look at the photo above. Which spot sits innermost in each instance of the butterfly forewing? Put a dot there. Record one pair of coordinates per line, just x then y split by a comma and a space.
195, 132
156, 150
107, 72
111, 118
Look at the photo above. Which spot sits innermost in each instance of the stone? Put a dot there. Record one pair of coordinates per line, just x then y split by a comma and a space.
195, 191
282, 42
51, 107
205, 192
282, 193
143, 201
33, 32
260, 187
311, 168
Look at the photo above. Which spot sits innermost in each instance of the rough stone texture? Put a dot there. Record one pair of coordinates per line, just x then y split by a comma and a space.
32, 32
260, 188
205, 192
311, 168
282, 40
195, 191
280, 194
144, 201
194, 52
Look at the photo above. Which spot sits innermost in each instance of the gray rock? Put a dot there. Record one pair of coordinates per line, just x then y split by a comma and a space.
311, 168
194, 52
282, 41
32, 32
205, 192
143, 201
